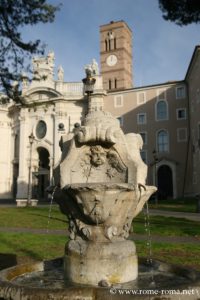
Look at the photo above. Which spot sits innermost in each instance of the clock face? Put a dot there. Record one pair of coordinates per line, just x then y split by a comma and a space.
111, 60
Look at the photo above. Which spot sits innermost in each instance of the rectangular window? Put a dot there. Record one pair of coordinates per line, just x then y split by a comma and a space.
143, 154
120, 121
118, 101
161, 94
182, 135
144, 137
181, 114
180, 92
141, 98
163, 141
141, 118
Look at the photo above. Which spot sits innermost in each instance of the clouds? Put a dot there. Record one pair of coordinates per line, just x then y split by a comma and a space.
161, 50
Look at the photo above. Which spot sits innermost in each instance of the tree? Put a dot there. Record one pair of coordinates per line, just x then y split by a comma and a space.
182, 12
14, 51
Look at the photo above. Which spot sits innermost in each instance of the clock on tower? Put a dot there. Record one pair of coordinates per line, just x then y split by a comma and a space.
116, 55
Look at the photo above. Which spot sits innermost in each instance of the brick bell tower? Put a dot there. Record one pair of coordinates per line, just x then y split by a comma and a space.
116, 56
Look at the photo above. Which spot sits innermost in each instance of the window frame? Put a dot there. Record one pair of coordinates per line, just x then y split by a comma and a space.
121, 120
146, 154
145, 119
138, 98
156, 111
179, 140
159, 93
145, 139
184, 94
165, 144
115, 101
177, 112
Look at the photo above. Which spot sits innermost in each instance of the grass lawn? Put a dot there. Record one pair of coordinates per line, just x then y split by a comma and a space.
182, 205
32, 217
35, 247
168, 226
180, 254
37, 218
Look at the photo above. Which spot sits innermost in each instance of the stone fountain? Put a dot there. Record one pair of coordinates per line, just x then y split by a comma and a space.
101, 188
100, 184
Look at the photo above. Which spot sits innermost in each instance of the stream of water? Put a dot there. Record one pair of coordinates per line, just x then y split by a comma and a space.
149, 243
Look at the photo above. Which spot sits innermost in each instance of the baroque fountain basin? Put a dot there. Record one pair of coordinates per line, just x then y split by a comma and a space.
103, 202
45, 280
101, 217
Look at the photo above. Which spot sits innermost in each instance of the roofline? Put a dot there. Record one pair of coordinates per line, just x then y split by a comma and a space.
148, 86
197, 47
114, 22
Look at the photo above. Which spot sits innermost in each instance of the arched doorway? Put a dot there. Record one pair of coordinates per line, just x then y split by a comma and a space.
165, 182
42, 176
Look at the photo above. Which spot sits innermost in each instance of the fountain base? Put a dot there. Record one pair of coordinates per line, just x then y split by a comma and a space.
101, 263
45, 280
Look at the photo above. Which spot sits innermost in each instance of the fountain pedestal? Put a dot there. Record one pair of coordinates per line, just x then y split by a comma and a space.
101, 188
101, 263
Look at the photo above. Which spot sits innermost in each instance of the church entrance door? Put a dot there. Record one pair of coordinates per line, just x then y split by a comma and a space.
42, 177
165, 182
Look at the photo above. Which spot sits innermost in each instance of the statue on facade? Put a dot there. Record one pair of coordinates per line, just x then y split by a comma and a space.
51, 58
95, 67
60, 73
92, 68
43, 68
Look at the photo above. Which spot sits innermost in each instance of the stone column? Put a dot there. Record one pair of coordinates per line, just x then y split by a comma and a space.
5, 157
22, 181
56, 137
96, 99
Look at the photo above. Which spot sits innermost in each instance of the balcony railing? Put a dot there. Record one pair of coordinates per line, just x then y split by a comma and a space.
73, 89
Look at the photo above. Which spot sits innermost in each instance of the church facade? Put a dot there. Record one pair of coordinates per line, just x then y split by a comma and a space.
167, 116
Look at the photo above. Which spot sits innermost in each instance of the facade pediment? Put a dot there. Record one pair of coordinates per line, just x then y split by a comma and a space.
38, 95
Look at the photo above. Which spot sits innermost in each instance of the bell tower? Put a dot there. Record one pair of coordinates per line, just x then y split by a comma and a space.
116, 56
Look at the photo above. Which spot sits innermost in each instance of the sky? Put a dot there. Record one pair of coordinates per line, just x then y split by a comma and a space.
161, 50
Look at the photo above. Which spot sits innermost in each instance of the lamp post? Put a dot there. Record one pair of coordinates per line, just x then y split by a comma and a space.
31, 140
156, 179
